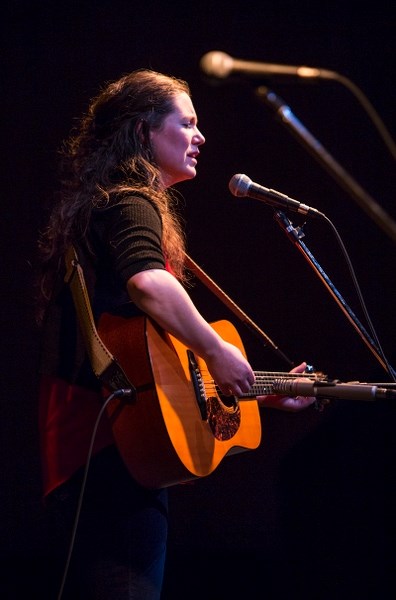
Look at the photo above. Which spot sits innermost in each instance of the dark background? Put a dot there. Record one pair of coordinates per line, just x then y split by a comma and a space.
310, 513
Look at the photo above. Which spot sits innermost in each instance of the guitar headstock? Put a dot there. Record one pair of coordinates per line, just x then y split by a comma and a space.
319, 375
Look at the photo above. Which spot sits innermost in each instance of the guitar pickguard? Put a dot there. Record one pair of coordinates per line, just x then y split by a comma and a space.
223, 418
223, 421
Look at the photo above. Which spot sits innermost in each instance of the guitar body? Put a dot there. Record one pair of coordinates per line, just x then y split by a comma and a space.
177, 427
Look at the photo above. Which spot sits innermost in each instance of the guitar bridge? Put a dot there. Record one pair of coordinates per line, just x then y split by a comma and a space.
198, 384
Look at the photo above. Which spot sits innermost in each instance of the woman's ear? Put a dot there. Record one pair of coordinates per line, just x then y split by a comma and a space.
142, 130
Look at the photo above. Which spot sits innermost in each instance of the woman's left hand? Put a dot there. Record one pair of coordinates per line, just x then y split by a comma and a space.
287, 403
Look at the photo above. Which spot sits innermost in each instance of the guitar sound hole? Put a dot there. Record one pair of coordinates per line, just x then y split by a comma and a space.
228, 401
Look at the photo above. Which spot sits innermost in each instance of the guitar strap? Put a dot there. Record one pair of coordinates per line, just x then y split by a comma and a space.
227, 301
104, 364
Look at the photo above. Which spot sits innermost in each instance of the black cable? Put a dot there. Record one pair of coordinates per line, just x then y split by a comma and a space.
116, 394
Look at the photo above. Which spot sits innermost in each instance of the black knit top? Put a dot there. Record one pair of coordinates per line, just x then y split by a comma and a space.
125, 239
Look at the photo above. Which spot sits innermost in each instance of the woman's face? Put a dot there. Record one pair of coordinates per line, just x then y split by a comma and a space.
175, 146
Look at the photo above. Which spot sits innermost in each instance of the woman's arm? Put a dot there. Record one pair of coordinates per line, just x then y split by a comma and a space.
159, 294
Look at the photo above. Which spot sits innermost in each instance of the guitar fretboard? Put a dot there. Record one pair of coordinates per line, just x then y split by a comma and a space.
263, 384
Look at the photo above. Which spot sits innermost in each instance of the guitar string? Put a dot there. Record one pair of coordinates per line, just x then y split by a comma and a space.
263, 381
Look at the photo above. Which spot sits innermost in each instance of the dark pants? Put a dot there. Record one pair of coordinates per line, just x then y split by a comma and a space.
120, 542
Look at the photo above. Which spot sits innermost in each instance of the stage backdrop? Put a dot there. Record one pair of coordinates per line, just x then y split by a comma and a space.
310, 510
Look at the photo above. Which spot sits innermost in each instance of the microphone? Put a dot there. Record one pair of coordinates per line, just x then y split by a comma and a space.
323, 389
242, 185
221, 65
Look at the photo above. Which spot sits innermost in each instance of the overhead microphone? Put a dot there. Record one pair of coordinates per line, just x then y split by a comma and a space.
242, 186
222, 65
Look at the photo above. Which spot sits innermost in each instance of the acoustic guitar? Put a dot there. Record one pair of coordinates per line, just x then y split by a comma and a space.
177, 426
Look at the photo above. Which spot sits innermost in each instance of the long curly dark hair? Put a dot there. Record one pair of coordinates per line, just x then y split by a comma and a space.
108, 154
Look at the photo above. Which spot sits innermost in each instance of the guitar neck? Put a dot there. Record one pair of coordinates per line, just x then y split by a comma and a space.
264, 382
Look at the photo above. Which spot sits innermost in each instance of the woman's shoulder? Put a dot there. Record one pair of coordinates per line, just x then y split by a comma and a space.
129, 208
119, 201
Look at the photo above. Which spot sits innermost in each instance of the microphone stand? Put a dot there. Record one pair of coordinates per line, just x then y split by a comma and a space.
366, 202
295, 236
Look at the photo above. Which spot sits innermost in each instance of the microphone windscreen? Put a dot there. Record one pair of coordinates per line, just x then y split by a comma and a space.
239, 185
216, 64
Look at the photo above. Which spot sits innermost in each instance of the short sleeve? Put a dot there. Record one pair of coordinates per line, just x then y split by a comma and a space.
130, 234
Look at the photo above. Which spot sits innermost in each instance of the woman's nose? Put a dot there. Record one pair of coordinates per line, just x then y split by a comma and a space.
198, 137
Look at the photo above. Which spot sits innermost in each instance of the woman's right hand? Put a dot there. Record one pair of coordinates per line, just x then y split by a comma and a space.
230, 370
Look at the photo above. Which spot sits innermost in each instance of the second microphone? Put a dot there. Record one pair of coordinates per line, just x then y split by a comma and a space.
242, 186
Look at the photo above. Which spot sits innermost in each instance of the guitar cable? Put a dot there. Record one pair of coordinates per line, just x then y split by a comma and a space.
117, 394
